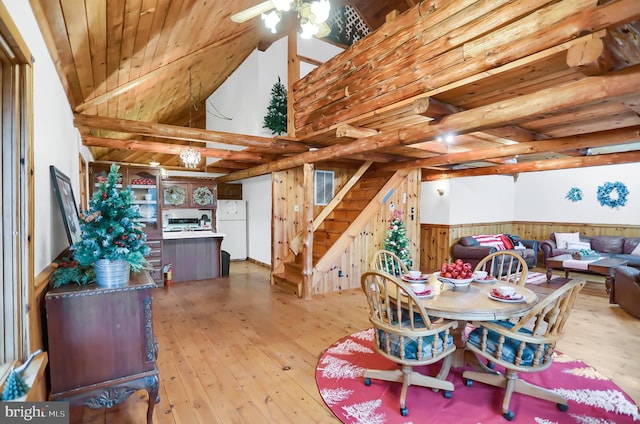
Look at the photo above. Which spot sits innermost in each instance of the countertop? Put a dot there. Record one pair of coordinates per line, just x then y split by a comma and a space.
175, 235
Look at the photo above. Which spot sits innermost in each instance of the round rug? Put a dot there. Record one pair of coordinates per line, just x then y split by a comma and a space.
593, 399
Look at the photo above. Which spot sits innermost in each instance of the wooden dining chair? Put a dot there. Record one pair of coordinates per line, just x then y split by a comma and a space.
388, 262
505, 266
523, 346
405, 335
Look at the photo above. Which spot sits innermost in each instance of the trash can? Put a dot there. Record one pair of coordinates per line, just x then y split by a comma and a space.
225, 259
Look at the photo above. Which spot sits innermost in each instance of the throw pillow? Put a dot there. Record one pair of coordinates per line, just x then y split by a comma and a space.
579, 245
506, 241
490, 240
636, 251
563, 239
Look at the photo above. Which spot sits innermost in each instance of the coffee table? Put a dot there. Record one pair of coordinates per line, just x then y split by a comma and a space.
603, 266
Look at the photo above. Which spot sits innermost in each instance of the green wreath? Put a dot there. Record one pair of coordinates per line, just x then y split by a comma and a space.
604, 194
203, 196
175, 195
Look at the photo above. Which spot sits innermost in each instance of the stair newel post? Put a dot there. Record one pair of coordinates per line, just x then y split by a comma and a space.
307, 244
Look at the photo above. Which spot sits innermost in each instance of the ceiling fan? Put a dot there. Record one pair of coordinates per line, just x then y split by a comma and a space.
312, 15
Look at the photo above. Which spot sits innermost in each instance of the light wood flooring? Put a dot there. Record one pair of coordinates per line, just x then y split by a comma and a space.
236, 350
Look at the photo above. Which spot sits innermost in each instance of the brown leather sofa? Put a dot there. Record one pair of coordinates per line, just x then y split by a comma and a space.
469, 250
625, 290
610, 246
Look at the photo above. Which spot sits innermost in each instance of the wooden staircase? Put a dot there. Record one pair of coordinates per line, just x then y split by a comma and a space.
339, 222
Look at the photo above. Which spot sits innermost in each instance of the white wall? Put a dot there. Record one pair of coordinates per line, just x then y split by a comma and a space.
540, 196
533, 196
56, 141
467, 200
244, 97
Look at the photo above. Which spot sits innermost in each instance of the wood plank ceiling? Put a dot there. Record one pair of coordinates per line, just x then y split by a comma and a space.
525, 84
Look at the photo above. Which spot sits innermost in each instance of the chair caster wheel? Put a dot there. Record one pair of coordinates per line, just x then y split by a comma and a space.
562, 407
404, 411
509, 415
468, 382
367, 381
447, 394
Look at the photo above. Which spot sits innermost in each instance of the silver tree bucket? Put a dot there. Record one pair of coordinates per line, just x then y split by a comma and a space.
112, 273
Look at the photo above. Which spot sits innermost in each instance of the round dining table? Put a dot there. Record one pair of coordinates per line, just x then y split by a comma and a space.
473, 303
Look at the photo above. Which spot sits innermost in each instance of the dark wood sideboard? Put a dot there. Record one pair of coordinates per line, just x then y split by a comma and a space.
102, 347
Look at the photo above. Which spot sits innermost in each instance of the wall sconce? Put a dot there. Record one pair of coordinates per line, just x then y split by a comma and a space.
440, 191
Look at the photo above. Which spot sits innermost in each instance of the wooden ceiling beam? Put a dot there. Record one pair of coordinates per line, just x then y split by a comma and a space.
535, 166
168, 148
583, 141
184, 133
617, 85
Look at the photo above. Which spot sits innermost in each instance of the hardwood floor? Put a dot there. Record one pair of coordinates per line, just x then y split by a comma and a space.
236, 350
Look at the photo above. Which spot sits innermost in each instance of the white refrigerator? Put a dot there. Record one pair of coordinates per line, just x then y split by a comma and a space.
231, 219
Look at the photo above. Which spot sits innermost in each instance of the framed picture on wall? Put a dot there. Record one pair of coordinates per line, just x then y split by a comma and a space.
67, 203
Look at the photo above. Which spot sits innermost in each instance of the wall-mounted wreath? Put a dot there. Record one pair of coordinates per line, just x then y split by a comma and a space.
605, 191
574, 194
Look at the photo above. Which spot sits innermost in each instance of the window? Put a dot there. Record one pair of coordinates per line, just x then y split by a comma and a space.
323, 187
16, 188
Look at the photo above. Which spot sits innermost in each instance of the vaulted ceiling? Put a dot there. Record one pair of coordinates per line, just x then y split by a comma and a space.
524, 85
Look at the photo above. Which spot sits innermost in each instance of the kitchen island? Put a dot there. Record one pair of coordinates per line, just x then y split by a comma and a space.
193, 255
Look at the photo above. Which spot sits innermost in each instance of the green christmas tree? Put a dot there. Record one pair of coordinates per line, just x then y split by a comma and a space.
112, 230
14, 387
276, 119
397, 241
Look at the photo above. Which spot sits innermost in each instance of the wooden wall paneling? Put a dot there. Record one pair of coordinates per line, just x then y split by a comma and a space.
357, 256
287, 191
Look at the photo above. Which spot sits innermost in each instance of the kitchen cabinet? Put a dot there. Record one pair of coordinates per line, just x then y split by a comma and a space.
229, 191
194, 256
101, 343
144, 184
188, 194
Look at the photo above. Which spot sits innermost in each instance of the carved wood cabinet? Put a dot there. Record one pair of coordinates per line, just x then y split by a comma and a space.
101, 343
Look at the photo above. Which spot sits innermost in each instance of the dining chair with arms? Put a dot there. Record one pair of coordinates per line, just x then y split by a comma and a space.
506, 266
389, 262
525, 345
405, 335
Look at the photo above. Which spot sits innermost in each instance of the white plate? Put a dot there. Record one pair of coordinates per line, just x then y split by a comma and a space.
485, 281
426, 296
422, 279
520, 299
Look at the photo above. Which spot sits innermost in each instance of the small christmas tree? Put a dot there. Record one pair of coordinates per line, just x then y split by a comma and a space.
276, 119
111, 230
397, 241
14, 387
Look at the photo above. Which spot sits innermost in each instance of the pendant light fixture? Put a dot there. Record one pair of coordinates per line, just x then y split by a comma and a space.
313, 16
190, 157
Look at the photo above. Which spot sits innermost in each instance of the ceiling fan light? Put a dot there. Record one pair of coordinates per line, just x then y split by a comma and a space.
282, 5
309, 29
271, 20
320, 9
323, 30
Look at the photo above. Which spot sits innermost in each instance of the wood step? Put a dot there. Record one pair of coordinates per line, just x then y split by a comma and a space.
362, 193
325, 238
344, 215
353, 204
331, 225
294, 266
371, 183
287, 283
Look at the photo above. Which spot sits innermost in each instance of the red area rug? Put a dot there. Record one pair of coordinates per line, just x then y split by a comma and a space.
593, 399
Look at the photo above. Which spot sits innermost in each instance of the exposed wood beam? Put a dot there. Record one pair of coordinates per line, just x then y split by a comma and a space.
168, 148
184, 133
354, 132
545, 165
617, 85
591, 57
583, 141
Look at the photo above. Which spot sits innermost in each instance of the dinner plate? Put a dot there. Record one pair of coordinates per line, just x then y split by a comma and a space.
421, 279
485, 281
499, 299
